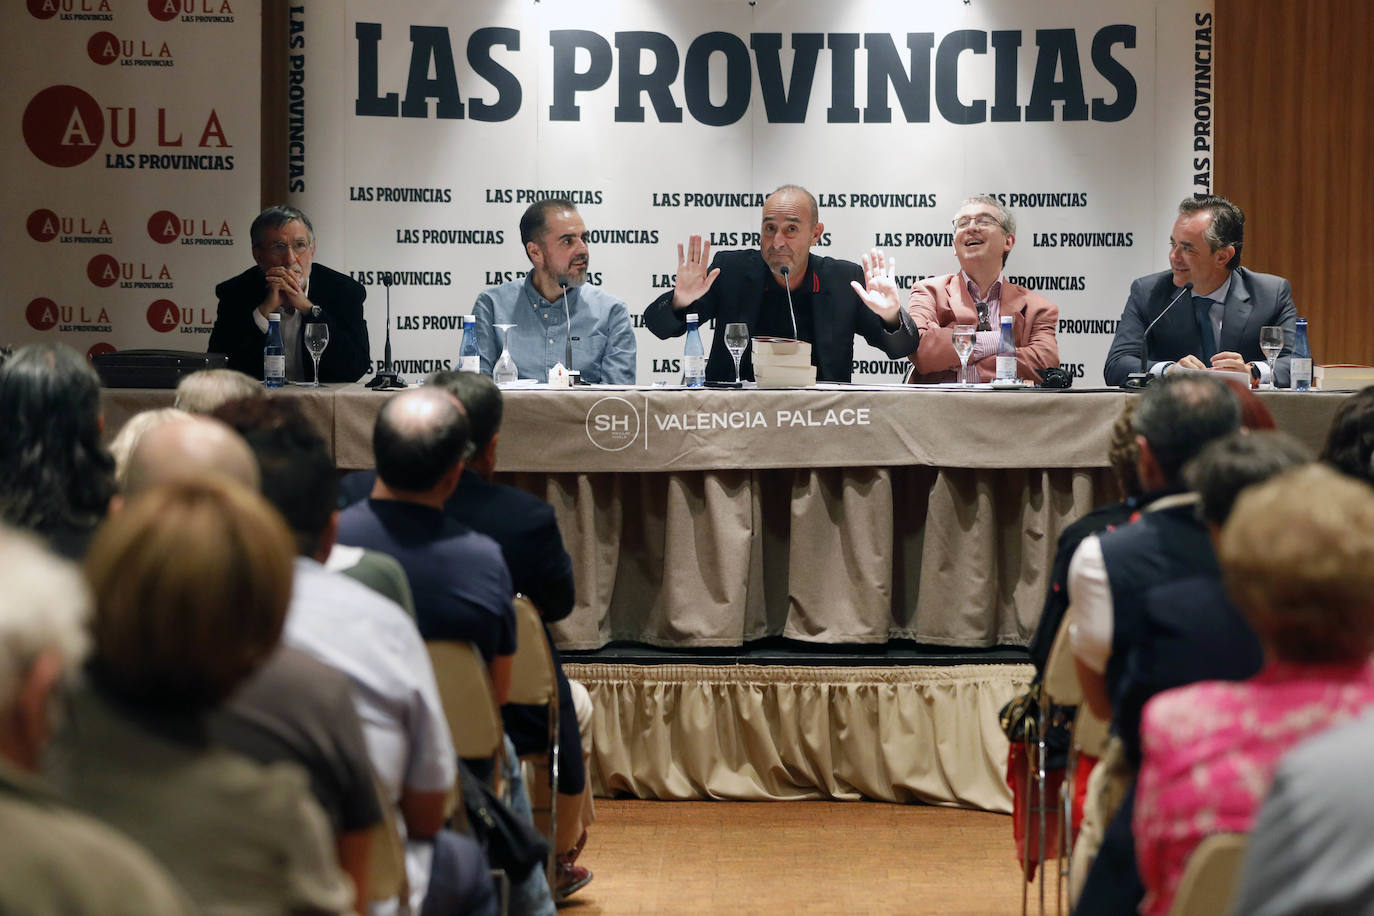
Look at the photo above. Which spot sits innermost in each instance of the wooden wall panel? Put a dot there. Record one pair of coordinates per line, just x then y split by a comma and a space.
1295, 149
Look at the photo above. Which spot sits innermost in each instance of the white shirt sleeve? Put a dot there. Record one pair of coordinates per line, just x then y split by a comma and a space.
1090, 606
260, 321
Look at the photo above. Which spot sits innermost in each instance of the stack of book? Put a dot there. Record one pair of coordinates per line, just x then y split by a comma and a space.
783, 363
1342, 377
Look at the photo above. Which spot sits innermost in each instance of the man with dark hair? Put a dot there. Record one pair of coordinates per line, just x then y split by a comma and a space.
58, 478
286, 280
527, 530
1230, 465
461, 585
374, 643
782, 290
1147, 607
553, 302
1220, 325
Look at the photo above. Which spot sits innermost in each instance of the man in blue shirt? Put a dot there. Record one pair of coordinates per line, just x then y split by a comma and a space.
552, 299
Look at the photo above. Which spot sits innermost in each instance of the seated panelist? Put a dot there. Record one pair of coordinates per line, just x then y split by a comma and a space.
287, 280
1218, 325
979, 295
826, 295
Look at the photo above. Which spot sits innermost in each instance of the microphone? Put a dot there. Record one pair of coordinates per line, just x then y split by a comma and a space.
1142, 378
563, 284
785, 271
385, 377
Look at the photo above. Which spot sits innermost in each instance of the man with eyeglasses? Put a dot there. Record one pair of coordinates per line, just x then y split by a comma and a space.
979, 295
287, 281
1218, 326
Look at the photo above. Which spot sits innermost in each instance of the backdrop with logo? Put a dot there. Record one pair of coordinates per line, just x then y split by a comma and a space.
132, 163
422, 129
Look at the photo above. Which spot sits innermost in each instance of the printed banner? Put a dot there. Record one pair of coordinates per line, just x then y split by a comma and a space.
133, 164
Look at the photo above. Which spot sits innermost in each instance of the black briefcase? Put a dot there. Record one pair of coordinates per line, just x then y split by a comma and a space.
152, 368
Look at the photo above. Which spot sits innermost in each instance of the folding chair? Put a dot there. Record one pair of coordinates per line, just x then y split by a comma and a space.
1209, 881
534, 682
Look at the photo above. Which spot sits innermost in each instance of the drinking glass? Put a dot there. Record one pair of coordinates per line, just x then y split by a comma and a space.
1271, 342
504, 372
736, 340
963, 346
316, 339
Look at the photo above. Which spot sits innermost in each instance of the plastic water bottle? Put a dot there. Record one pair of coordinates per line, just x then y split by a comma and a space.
1006, 353
1300, 363
274, 354
469, 358
693, 356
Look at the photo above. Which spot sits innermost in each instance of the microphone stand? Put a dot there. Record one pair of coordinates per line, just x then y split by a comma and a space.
787, 287
386, 379
567, 312
1138, 380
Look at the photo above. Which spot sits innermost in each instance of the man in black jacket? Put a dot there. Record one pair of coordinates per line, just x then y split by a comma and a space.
827, 304
286, 280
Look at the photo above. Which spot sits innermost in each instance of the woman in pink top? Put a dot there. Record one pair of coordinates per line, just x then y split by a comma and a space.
1298, 557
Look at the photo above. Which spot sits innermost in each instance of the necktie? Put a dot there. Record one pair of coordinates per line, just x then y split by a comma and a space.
1202, 306
983, 323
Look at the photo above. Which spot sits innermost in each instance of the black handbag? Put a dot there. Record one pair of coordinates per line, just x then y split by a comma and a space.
511, 843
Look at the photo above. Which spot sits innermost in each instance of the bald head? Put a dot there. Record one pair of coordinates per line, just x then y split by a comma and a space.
190, 450
419, 437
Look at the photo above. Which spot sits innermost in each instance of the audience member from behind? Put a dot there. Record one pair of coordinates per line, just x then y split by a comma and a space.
135, 428
292, 708
527, 531
57, 478
54, 859
1298, 556
203, 391
191, 583
375, 643
1350, 441
1147, 608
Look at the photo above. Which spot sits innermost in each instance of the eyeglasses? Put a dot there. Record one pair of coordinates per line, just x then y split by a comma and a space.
279, 249
981, 220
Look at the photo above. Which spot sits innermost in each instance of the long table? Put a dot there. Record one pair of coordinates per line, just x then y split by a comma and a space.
837, 514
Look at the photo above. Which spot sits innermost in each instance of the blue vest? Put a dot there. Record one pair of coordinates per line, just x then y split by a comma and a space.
1173, 623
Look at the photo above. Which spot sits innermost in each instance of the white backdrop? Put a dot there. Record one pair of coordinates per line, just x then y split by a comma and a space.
132, 167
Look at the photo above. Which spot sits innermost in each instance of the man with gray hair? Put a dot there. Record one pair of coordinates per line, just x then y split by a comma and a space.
287, 281
1219, 325
55, 859
203, 391
980, 295
781, 289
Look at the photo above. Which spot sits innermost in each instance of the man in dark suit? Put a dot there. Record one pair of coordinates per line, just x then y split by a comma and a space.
1221, 324
754, 286
286, 280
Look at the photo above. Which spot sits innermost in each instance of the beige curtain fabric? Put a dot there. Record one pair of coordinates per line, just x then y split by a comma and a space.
751, 732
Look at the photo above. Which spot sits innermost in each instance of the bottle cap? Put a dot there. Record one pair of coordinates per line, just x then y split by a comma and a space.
691, 316
1006, 319
274, 316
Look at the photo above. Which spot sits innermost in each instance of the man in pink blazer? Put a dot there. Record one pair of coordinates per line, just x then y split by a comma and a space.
984, 233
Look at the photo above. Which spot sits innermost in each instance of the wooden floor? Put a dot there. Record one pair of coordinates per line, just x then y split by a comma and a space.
797, 857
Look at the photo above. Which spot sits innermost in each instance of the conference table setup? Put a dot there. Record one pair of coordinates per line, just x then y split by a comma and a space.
844, 515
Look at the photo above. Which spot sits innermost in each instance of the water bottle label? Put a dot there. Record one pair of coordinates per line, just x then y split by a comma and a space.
694, 366
1301, 372
470, 363
1006, 367
274, 370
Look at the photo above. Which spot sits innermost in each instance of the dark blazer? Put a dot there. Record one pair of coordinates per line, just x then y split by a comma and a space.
738, 293
347, 358
1253, 301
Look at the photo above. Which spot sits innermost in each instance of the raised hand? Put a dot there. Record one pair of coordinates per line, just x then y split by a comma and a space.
880, 292
693, 279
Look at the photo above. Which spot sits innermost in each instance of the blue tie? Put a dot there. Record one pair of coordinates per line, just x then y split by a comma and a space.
1201, 307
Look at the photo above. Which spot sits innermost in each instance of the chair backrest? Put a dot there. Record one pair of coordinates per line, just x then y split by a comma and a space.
1061, 678
533, 681
1209, 882
465, 692
1089, 732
